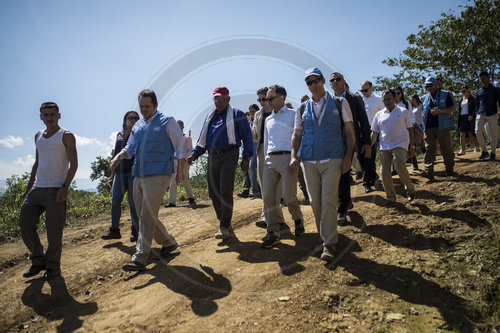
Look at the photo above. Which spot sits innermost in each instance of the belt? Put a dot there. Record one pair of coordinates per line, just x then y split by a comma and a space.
279, 152
222, 151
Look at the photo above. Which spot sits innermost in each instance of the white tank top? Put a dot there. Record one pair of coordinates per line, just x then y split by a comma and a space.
53, 163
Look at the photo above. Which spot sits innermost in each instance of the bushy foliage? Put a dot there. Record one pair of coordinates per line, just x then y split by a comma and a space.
80, 204
101, 172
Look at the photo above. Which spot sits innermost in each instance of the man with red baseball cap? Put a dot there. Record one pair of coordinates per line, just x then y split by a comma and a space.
223, 132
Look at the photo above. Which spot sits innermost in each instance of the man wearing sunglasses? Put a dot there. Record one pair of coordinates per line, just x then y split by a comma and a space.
363, 143
278, 130
222, 134
437, 124
373, 104
153, 142
258, 136
324, 132
488, 100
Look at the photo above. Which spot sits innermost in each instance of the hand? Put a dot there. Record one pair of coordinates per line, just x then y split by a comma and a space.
470, 118
244, 164
346, 165
62, 194
366, 151
190, 160
114, 163
294, 164
411, 152
435, 111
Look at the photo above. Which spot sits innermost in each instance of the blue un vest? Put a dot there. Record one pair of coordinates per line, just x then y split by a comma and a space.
325, 141
445, 120
153, 150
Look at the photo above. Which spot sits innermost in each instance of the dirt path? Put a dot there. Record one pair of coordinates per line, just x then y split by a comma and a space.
418, 268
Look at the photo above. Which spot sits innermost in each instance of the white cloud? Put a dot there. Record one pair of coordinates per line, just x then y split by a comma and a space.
82, 141
11, 141
7, 169
112, 138
25, 162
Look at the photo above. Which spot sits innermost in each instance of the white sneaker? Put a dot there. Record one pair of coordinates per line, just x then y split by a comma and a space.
461, 152
477, 150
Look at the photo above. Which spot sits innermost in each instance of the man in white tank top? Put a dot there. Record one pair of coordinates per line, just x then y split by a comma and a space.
55, 166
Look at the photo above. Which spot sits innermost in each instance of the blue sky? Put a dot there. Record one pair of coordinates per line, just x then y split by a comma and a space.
93, 57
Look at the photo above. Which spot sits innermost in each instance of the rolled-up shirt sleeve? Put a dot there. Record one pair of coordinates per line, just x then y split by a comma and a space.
129, 147
176, 137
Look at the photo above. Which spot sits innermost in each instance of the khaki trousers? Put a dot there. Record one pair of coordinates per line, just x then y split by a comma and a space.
172, 192
322, 180
260, 169
148, 197
279, 179
398, 156
433, 135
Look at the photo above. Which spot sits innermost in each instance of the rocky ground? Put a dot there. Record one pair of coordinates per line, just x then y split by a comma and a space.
426, 267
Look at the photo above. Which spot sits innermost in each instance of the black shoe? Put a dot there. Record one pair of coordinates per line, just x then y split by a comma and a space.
191, 201
342, 219
492, 156
170, 205
261, 224
270, 241
368, 189
299, 228
33, 270
134, 234
449, 173
134, 266
243, 194
359, 175
113, 233
427, 174
484, 155
51, 273
167, 250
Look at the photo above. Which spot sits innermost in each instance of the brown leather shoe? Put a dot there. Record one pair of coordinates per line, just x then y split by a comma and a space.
113, 233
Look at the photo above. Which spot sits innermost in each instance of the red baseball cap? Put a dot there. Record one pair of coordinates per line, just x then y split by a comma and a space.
221, 91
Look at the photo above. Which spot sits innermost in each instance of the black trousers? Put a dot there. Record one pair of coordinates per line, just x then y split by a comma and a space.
220, 179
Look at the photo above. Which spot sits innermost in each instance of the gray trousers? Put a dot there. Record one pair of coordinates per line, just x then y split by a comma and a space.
39, 200
260, 167
220, 179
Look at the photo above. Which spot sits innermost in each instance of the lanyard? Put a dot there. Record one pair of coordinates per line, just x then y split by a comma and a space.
436, 100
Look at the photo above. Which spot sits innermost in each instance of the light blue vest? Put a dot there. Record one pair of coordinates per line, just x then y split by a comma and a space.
325, 141
445, 120
153, 150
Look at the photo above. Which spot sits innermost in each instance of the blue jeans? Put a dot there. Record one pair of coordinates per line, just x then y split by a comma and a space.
122, 183
252, 173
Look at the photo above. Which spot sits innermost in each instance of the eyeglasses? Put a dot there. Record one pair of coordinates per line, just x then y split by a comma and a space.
398, 92
270, 99
364, 90
387, 100
427, 86
262, 99
311, 82
132, 118
336, 79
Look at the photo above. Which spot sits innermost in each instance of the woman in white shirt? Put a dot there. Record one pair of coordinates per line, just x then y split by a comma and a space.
466, 119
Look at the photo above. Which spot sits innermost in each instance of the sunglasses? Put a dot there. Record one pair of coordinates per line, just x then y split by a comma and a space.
262, 99
132, 118
336, 79
270, 99
427, 86
311, 82
364, 90
398, 93
387, 100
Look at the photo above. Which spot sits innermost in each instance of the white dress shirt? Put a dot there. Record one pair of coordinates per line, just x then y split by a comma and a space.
373, 104
278, 130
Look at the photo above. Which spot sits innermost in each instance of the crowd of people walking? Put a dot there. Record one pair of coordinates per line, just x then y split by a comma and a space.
314, 145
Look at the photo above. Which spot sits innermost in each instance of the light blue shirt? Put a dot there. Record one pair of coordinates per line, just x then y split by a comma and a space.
278, 130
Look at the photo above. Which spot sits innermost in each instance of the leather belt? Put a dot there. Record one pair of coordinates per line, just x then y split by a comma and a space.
222, 151
279, 152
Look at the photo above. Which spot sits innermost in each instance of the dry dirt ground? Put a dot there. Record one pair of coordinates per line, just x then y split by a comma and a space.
427, 267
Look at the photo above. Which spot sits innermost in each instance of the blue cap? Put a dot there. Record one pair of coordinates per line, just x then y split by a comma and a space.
429, 80
313, 71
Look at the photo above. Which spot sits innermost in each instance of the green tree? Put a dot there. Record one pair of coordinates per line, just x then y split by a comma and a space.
101, 172
455, 48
